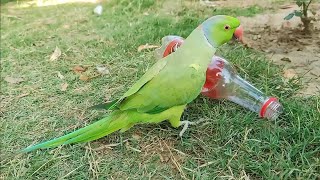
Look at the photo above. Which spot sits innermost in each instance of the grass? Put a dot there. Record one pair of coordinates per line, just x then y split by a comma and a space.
234, 143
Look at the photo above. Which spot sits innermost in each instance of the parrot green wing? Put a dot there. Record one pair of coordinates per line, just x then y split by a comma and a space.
151, 73
176, 84
173, 81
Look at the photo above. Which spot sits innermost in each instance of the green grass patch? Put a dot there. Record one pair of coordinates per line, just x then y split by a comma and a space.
234, 142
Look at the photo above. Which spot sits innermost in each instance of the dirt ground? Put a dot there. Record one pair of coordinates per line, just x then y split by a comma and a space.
239, 3
283, 41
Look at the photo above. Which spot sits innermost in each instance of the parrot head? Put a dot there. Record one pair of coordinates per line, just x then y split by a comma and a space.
220, 29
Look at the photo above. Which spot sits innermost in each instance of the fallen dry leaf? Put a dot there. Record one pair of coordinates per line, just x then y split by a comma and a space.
285, 59
84, 77
56, 54
64, 86
146, 46
13, 80
23, 95
102, 69
136, 136
60, 75
79, 69
286, 6
289, 73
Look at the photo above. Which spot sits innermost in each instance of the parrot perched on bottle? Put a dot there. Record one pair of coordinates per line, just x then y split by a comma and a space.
163, 92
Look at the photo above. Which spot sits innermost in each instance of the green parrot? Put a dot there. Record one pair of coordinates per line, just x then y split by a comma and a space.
163, 92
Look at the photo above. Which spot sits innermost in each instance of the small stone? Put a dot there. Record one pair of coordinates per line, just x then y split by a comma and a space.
289, 73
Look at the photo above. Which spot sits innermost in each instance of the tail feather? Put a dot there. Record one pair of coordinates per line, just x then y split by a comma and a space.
94, 131
115, 121
93, 134
121, 122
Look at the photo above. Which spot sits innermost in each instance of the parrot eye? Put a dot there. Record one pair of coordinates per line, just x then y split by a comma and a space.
226, 27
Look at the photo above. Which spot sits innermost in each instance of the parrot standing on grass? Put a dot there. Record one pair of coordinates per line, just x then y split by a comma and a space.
163, 92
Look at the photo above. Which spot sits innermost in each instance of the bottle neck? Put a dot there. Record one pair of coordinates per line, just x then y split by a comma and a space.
251, 98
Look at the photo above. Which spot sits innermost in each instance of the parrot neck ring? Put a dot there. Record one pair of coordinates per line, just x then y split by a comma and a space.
210, 43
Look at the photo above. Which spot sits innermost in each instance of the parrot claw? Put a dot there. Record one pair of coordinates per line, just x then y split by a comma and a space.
186, 125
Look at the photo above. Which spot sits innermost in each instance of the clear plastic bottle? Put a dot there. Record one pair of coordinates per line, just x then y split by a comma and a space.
223, 82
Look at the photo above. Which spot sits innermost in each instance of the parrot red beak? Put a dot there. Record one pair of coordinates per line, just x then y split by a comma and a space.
238, 34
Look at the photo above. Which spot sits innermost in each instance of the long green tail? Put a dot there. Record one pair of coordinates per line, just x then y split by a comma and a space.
115, 121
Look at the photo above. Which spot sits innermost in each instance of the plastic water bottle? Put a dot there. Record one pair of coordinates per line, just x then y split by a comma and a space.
223, 82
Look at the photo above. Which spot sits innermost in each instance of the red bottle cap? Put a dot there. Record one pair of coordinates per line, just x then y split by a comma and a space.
265, 106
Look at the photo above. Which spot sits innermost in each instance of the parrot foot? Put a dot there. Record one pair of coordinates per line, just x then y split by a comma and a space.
186, 125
